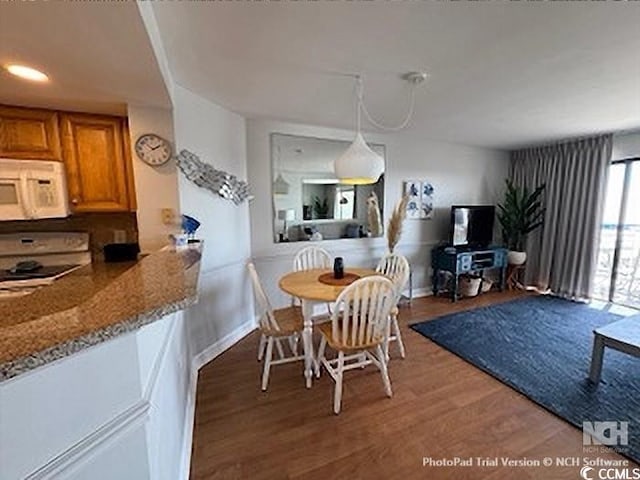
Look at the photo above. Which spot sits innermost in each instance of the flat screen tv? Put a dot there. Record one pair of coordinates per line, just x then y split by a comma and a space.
472, 225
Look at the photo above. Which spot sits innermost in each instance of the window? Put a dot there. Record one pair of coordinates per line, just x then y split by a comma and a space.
617, 276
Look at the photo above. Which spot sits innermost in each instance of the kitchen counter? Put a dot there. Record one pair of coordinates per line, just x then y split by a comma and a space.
93, 304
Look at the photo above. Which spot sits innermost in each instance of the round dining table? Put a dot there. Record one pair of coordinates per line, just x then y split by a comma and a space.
306, 286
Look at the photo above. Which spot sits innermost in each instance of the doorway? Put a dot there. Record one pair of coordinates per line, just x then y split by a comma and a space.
617, 276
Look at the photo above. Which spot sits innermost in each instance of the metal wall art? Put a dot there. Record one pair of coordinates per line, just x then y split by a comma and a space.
224, 184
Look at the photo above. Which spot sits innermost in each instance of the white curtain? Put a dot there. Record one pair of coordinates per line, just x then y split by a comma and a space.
561, 256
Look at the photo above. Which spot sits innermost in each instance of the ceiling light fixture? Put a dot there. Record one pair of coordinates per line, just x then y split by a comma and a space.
280, 185
359, 165
27, 73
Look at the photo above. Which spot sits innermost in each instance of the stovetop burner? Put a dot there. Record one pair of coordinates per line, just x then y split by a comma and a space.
42, 272
30, 260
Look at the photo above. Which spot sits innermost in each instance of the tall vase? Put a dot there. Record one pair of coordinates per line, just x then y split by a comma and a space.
338, 268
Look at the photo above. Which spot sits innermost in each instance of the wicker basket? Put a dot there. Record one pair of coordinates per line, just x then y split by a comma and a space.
486, 285
469, 286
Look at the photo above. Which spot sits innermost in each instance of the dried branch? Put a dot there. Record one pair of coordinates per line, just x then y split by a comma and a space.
394, 231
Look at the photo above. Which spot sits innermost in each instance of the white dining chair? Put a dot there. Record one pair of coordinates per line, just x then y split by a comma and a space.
279, 326
309, 258
357, 332
396, 267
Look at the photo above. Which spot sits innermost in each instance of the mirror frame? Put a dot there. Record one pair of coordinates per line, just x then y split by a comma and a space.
272, 171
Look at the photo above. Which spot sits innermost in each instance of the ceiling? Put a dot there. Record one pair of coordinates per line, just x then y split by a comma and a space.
97, 55
502, 74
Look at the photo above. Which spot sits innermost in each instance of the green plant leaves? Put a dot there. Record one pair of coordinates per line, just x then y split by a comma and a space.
321, 208
520, 214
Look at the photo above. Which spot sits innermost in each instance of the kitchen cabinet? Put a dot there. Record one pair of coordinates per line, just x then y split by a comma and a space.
97, 156
27, 133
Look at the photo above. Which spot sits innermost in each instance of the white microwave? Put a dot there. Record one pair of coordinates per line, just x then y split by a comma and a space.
32, 189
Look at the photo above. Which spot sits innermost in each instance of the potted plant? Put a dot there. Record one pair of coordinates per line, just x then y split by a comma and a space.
519, 215
321, 207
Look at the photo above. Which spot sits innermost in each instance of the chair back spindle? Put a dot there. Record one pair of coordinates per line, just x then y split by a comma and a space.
267, 318
396, 267
362, 312
311, 257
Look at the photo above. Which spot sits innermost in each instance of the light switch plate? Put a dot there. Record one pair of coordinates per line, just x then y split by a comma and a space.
168, 216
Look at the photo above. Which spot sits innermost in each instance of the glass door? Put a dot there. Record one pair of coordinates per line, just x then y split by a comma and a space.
617, 276
626, 281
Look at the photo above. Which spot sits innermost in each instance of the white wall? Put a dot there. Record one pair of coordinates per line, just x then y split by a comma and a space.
218, 137
156, 187
626, 146
459, 173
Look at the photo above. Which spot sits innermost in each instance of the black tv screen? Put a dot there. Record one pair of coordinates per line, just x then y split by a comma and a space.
472, 225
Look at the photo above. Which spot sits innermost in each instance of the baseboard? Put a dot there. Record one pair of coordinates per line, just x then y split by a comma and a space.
419, 292
223, 344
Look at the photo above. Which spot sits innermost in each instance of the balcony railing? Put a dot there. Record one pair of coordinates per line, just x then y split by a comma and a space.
627, 283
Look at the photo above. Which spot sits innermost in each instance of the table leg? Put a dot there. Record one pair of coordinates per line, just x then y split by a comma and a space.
307, 340
596, 359
454, 288
410, 286
434, 282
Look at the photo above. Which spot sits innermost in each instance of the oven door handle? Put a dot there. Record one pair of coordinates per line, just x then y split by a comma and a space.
26, 199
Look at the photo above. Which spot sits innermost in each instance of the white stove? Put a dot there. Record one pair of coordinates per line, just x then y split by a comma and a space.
29, 261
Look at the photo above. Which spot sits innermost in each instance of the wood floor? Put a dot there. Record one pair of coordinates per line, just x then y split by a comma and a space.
442, 407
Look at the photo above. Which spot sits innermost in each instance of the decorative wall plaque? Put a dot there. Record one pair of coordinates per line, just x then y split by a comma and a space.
224, 184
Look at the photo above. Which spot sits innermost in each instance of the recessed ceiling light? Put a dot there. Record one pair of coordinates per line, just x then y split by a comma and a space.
27, 73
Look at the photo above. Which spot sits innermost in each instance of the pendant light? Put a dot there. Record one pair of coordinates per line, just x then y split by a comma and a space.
280, 185
359, 164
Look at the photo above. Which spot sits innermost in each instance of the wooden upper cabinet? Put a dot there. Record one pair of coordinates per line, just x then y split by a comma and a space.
98, 161
27, 133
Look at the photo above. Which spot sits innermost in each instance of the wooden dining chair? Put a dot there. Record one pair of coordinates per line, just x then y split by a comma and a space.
358, 331
309, 258
280, 326
396, 267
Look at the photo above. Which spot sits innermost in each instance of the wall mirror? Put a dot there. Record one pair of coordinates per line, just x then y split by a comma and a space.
309, 203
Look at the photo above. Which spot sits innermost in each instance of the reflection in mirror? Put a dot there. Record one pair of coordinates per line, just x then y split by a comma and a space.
309, 201
322, 201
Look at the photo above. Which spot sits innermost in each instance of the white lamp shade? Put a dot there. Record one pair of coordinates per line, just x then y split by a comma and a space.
359, 165
288, 215
280, 185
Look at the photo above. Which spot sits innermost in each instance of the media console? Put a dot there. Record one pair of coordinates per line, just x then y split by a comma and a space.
459, 261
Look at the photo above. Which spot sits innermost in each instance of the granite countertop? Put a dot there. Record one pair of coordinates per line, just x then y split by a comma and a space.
93, 304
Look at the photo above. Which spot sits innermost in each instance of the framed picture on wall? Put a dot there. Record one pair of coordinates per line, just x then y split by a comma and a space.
421, 201
412, 189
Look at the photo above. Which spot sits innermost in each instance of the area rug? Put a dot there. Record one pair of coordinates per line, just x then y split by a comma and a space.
541, 347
